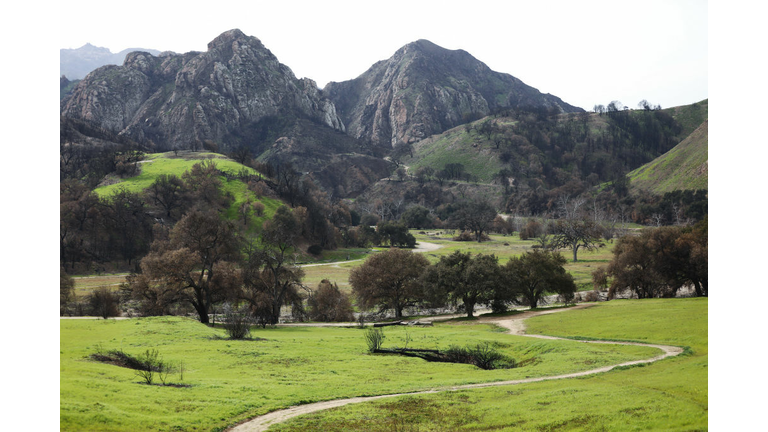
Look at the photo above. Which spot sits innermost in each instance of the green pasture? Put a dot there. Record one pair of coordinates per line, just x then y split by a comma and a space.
669, 395
229, 381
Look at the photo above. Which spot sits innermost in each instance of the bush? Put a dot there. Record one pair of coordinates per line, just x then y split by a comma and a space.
237, 321
375, 338
315, 249
592, 296
329, 304
258, 208
104, 303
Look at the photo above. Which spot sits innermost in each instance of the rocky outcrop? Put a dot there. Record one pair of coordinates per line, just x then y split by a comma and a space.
182, 100
424, 89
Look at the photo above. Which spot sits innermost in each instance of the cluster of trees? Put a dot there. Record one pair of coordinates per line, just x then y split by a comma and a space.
204, 261
398, 279
660, 261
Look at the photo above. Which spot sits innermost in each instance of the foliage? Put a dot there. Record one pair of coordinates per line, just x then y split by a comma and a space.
237, 321
374, 337
395, 235
329, 304
538, 272
104, 302
66, 290
475, 216
195, 265
658, 262
270, 277
389, 280
461, 278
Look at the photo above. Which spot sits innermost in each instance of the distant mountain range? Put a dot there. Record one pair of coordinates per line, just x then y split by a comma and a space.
237, 95
76, 63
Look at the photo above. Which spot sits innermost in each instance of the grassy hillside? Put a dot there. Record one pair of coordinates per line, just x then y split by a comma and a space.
167, 163
690, 117
457, 146
669, 395
682, 168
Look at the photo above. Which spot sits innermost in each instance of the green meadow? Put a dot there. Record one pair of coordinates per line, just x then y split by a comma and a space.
227, 381
667, 395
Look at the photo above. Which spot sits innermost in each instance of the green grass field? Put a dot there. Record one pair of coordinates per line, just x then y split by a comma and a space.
668, 395
229, 381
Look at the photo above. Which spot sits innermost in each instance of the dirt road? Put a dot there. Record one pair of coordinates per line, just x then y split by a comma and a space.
515, 325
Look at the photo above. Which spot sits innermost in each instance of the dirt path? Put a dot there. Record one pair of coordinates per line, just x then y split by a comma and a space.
515, 325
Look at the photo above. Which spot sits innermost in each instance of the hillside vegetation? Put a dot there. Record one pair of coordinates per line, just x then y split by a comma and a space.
682, 168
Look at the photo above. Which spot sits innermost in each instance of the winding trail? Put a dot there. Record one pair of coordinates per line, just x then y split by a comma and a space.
514, 324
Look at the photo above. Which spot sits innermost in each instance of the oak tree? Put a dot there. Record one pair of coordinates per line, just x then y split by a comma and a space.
389, 280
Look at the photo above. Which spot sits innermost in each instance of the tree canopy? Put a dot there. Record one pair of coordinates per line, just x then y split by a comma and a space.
389, 280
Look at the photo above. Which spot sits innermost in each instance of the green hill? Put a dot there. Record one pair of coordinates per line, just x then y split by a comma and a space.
156, 164
682, 168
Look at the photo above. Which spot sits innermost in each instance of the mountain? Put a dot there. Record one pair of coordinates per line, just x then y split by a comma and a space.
424, 89
76, 63
682, 168
180, 101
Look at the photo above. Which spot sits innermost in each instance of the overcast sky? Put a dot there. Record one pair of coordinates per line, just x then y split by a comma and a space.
586, 52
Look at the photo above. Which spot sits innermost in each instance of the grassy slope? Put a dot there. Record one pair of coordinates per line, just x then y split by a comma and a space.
456, 146
667, 395
165, 163
683, 167
234, 380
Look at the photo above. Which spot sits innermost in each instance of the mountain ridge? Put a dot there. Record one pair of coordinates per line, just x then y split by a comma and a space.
424, 89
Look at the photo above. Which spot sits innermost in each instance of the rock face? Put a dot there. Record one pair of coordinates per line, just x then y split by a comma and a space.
424, 89
181, 100
77, 63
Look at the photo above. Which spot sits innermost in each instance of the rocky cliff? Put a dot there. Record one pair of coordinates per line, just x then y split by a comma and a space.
424, 89
183, 100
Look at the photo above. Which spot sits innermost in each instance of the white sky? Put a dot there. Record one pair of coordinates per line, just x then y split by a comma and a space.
585, 52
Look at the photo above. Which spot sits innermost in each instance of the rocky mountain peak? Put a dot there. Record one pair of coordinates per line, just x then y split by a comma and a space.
424, 89
181, 100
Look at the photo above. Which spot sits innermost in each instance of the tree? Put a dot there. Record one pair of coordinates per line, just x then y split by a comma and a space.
474, 216
575, 234
168, 192
395, 235
329, 304
461, 278
104, 303
538, 272
195, 265
633, 267
389, 280
66, 290
574, 230
417, 217
270, 277
660, 261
